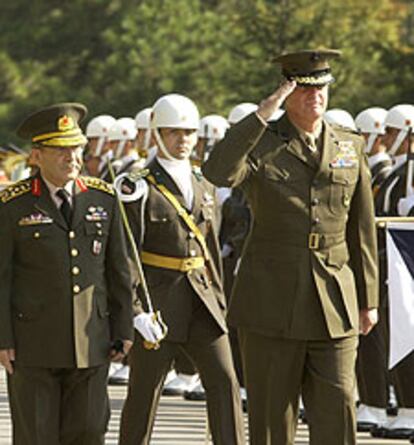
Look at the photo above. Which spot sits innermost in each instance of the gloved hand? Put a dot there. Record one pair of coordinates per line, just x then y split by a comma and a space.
150, 326
405, 205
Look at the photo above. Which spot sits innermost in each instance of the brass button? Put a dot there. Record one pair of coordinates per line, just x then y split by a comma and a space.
99, 232
76, 289
74, 252
315, 201
316, 221
193, 252
191, 235
36, 235
71, 234
75, 270
98, 225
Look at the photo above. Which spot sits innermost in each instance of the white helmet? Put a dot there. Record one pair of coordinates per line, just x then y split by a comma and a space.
340, 117
402, 118
123, 130
175, 111
276, 115
143, 119
98, 127
240, 111
213, 127
371, 121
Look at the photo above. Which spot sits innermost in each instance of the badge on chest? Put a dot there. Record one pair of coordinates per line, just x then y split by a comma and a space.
346, 156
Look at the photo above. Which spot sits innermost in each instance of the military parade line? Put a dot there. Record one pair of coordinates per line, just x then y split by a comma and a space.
260, 263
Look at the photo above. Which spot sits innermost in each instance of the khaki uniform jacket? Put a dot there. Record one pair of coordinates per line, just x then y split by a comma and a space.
65, 292
285, 288
178, 294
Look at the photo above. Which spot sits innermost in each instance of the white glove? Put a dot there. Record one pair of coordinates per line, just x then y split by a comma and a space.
149, 327
405, 205
226, 250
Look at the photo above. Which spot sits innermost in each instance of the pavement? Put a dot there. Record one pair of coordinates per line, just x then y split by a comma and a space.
178, 422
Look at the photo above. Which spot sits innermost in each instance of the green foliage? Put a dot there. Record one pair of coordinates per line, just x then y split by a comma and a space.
119, 56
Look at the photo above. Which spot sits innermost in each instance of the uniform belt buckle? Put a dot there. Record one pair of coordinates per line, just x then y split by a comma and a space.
313, 240
187, 264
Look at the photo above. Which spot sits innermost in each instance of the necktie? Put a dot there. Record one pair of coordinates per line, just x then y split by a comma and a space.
65, 207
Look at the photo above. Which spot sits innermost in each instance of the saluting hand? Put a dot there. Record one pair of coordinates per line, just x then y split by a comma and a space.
368, 318
7, 356
269, 105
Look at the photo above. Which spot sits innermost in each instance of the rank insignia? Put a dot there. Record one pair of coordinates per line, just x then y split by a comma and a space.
346, 157
35, 219
96, 214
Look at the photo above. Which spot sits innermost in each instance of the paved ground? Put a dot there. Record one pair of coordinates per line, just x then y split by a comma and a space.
179, 422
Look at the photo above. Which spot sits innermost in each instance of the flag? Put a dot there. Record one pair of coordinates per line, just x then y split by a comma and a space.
400, 265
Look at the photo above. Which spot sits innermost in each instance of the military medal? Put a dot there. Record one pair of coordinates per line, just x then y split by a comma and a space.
346, 156
96, 247
35, 219
96, 214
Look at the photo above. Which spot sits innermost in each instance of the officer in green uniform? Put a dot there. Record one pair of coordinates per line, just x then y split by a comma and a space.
307, 284
66, 295
172, 211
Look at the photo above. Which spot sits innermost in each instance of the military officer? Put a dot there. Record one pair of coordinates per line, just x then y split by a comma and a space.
307, 283
174, 224
65, 296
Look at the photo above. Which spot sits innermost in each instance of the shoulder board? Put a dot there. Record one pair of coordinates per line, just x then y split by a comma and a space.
99, 184
15, 190
135, 176
197, 172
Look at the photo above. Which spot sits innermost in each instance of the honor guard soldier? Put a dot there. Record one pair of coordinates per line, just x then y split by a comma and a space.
144, 141
97, 132
372, 363
336, 116
307, 283
172, 212
66, 294
370, 123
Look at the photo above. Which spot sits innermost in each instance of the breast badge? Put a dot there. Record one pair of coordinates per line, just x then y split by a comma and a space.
346, 156
35, 219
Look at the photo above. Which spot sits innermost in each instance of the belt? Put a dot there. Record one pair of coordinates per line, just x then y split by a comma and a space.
173, 263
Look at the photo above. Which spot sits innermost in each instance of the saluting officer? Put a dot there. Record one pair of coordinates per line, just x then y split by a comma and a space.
65, 295
174, 223
307, 283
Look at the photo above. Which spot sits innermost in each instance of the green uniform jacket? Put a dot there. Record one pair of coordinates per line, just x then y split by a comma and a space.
158, 229
65, 292
285, 288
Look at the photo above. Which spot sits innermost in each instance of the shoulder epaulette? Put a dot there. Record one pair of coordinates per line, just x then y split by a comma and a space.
134, 176
99, 184
15, 190
345, 129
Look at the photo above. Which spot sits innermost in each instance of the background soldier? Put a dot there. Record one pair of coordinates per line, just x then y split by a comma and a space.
307, 282
65, 296
174, 225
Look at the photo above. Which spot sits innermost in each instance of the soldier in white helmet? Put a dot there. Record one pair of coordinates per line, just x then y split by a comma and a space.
97, 133
121, 139
213, 127
370, 123
172, 211
392, 193
340, 117
145, 142
240, 111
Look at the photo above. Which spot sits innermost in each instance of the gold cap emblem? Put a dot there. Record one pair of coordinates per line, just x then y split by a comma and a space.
65, 123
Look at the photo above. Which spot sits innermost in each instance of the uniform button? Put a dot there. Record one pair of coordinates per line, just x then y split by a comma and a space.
315, 201
99, 232
99, 225
19, 315
75, 270
316, 221
74, 252
71, 234
193, 252
191, 235
76, 289
315, 182
36, 235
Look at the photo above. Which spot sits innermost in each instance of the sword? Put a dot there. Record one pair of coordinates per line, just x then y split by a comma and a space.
140, 269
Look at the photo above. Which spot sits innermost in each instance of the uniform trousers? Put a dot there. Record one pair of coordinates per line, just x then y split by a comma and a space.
279, 370
210, 350
372, 365
59, 406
